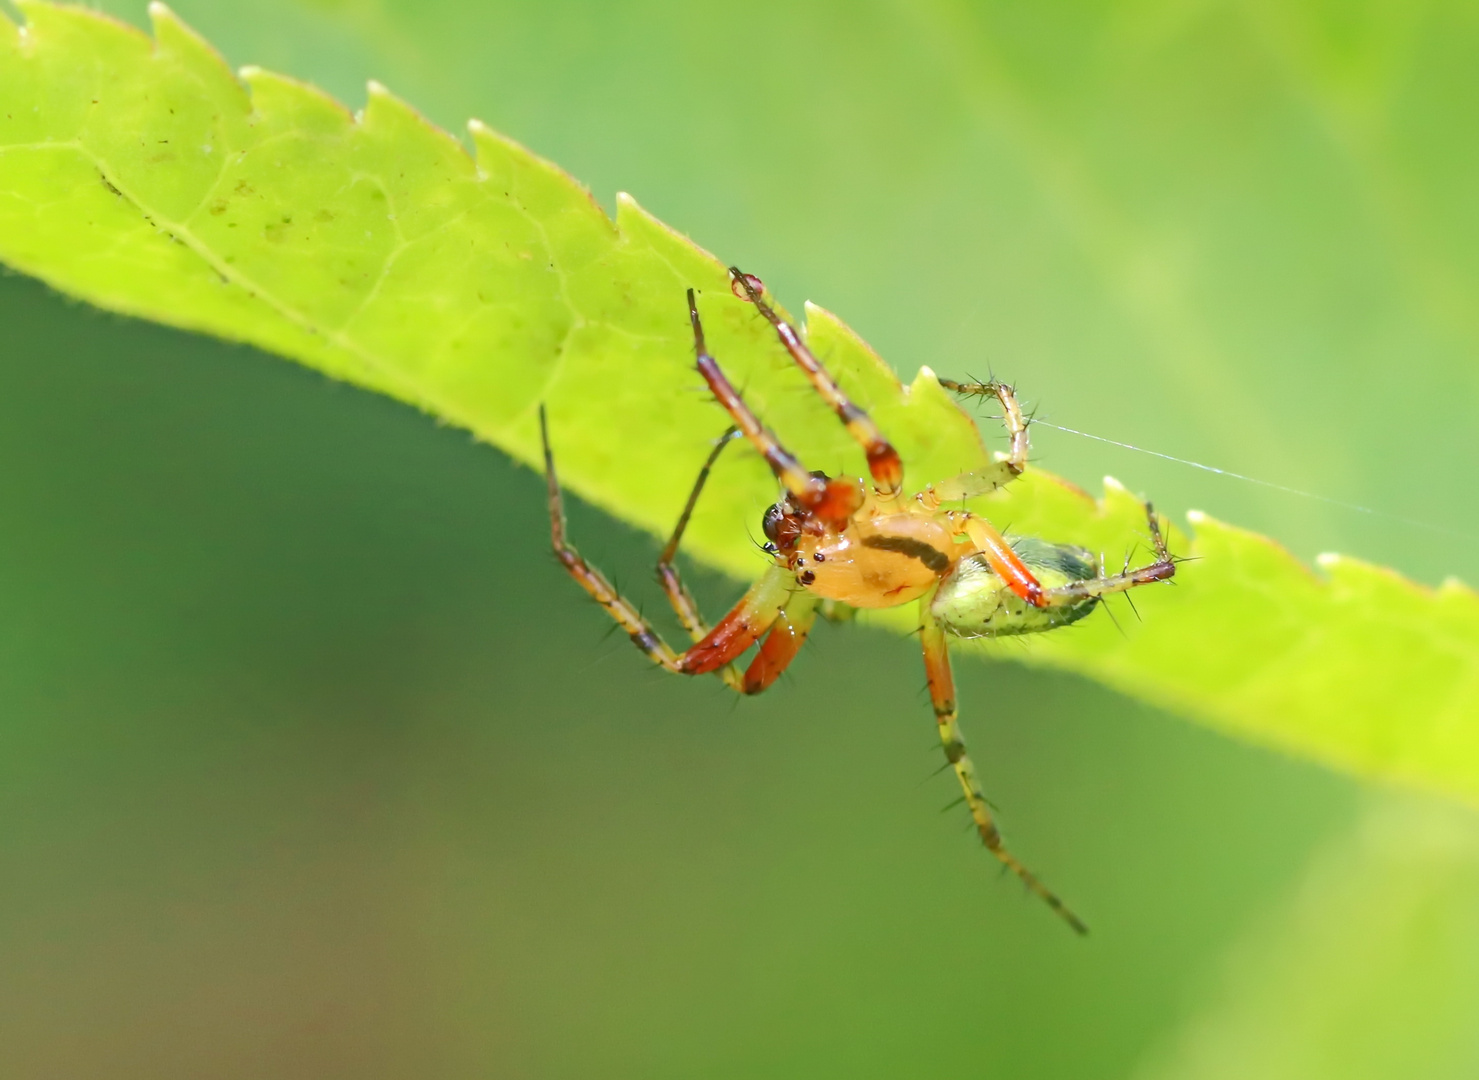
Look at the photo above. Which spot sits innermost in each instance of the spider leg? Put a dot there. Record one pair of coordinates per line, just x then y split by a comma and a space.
942, 694
985, 536
1005, 562
1162, 569
834, 500
677, 593
756, 611
999, 473
787, 635
883, 460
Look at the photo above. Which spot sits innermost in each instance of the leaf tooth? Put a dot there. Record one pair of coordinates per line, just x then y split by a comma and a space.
1118, 501
390, 118
1350, 575
179, 41
280, 102
537, 183
1455, 589
926, 384
1256, 554
86, 32
700, 267
851, 360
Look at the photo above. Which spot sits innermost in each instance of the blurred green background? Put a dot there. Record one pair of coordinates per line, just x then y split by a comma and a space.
315, 765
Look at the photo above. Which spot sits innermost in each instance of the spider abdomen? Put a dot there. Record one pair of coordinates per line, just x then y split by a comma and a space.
972, 601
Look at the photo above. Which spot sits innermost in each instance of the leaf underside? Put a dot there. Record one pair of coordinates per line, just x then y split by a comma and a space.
144, 177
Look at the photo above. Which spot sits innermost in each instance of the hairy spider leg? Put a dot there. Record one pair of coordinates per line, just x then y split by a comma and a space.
679, 597
1162, 569
833, 500
999, 473
756, 611
1000, 556
884, 464
987, 539
787, 635
942, 694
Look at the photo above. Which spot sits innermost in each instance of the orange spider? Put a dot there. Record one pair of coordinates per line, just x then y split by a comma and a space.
831, 539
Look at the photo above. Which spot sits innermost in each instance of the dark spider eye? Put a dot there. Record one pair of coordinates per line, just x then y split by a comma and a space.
770, 524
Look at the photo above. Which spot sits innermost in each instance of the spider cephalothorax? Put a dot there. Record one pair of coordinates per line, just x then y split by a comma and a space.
835, 541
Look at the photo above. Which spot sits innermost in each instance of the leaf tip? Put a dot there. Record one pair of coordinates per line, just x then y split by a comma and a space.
926, 387
477, 131
639, 226
1456, 587
406, 131
1119, 501
167, 24
177, 39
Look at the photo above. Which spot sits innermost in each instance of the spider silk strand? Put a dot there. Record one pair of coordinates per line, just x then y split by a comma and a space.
1263, 483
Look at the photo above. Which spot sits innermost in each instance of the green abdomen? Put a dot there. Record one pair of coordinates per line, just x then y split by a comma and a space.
973, 602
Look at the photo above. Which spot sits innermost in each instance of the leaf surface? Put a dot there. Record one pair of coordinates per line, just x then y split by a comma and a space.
146, 178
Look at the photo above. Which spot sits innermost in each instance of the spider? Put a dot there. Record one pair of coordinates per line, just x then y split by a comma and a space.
836, 543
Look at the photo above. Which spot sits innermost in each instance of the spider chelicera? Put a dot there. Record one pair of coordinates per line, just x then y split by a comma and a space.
832, 541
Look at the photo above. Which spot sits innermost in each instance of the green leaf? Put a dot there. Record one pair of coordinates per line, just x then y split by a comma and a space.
144, 177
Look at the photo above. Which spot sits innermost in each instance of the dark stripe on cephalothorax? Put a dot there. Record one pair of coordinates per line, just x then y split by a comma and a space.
932, 557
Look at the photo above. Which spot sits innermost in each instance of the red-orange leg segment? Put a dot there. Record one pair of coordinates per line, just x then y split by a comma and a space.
782, 643
985, 536
942, 694
883, 460
833, 500
756, 612
1003, 561
736, 632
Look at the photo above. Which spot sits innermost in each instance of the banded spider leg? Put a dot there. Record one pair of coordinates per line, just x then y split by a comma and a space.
942, 697
714, 650
1006, 469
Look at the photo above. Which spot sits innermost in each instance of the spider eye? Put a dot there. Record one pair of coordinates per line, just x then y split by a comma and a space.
770, 524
